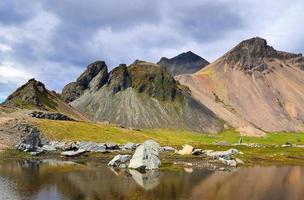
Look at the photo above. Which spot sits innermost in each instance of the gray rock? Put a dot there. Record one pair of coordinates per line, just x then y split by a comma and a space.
120, 161
197, 152
48, 148
73, 153
167, 148
130, 146
222, 154
146, 156
92, 147
58, 145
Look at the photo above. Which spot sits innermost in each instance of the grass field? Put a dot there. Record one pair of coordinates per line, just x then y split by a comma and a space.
83, 131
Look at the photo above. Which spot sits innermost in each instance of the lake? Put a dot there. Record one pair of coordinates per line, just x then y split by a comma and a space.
65, 180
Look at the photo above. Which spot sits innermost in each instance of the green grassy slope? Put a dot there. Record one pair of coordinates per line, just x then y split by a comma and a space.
84, 131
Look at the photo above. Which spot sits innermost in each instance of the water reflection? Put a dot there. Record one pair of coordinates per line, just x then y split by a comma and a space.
51, 179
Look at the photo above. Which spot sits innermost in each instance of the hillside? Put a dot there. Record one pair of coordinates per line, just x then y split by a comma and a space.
253, 86
33, 95
185, 63
142, 95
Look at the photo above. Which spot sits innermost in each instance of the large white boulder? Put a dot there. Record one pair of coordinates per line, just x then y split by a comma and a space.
146, 156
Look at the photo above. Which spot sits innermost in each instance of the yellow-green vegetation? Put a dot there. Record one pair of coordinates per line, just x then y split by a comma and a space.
85, 131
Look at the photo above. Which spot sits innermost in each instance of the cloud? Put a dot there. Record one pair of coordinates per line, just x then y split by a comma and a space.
54, 41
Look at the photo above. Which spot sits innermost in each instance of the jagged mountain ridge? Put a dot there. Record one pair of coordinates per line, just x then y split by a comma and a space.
185, 63
143, 95
33, 95
253, 85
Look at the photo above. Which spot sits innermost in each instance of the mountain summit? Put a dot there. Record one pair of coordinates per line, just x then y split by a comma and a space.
33, 95
141, 95
254, 55
185, 63
253, 86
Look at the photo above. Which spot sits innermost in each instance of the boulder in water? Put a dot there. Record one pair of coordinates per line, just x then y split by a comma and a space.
146, 156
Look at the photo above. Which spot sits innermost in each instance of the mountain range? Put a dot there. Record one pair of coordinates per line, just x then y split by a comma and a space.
253, 88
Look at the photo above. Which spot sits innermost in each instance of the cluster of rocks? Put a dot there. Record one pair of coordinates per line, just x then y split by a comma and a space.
52, 116
32, 143
225, 157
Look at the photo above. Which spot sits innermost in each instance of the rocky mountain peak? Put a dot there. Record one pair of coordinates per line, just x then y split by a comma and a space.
94, 77
254, 55
29, 95
91, 72
184, 63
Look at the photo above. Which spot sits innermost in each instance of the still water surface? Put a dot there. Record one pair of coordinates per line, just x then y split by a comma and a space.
58, 180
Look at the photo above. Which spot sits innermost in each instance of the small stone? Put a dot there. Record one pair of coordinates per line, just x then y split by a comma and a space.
167, 148
73, 153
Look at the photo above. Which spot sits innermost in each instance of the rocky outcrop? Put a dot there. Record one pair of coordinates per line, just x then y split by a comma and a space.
119, 79
52, 116
252, 55
185, 63
146, 156
94, 77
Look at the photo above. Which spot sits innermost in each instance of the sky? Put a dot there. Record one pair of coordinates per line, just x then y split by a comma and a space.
54, 40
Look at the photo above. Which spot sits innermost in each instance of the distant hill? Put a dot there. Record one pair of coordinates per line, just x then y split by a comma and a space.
142, 95
185, 63
34, 96
253, 84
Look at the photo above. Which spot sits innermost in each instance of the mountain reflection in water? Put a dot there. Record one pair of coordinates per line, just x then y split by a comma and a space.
51, 179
